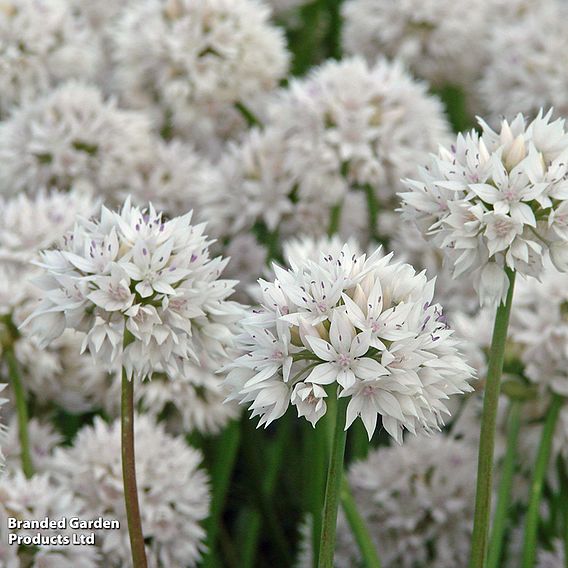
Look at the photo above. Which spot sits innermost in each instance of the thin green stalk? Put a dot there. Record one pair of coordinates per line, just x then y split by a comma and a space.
247, 114
487, 435
359, 528
541, 466
500, 517
221, 471
333, 488
373, 211
22, 412
333, 39
129, 468
334, 220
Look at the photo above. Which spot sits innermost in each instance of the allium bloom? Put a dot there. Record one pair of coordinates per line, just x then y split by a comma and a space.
42, 43
553, 558
367, 325
428, 35
71, 136
196, 58
35, 499
349, 124
134, 272
173, 491
523, 70
497, 200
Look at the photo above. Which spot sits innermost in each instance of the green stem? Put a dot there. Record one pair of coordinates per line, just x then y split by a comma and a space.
22, 412
487, 434
129, 468
359, 528
334, 220
333, 487
541, 466
333, 39
247, 114
373, 211
504, 498
221, 471
315, 471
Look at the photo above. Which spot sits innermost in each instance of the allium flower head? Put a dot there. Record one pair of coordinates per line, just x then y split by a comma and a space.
41, 44
366, 325
497, 200
71, 136
428, 35
134, 272
197, 58
173, 490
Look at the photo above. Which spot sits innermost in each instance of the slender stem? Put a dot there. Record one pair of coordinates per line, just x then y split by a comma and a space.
504, 498
334, 220
333, 39
373, 211
333, 488
22, 412
488, 425
359, 528
247, 114
541, 466
129, 468
221, 471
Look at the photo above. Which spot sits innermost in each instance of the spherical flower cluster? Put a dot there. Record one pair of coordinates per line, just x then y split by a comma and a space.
366, 325
42, 43
497, 201
173, 491
418, 501
552, 558
524, 71
539, 326
33, 500
429, 36
142, 289
196, 58
349, 124
71, 136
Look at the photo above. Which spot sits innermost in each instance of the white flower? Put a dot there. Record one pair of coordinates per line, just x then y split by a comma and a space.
35, 499
523, 70
173, 490
552, 558
365, 325
42, 43
195, 59
428, 35
496, 201
71, 137
132, 270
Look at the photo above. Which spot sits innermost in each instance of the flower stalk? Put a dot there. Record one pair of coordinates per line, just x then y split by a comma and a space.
540, 469
488, 425
22, 412
129, 467
504, 497
333, 488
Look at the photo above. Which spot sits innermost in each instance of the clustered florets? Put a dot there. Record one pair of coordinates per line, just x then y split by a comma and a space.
497, 201
143, 289
366, 325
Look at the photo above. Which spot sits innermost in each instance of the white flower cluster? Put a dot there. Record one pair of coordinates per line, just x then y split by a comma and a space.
418, 501
36, 499
195, 59
366, 325
430, 36
346, 126
71, 137
497, 201
42, 43
539, 325
554, 558
173, 490
523, 70
132, 274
